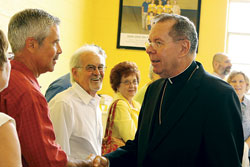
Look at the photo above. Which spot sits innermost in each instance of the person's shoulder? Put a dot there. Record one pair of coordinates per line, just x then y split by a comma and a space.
215, 84
157, 83
5, 118
137, 105
63, 82
20, 84
64, 96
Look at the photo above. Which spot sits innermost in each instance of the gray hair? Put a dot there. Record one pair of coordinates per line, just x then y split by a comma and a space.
34, 23
183, 28
75, 59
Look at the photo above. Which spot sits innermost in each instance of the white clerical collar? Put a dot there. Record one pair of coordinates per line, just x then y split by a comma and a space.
170, 78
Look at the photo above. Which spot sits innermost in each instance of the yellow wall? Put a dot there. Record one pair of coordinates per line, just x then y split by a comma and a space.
211, 36
95, 21
73, 17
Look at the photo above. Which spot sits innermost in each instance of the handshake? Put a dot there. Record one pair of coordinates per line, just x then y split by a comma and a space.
91, 161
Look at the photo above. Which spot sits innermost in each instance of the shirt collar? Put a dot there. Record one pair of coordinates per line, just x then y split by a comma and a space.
22, 68
184, 75
84, 96
118, 95
245, 101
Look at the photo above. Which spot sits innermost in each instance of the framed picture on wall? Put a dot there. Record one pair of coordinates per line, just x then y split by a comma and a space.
135, 18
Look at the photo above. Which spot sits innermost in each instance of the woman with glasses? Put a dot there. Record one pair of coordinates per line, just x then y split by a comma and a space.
10, 154
124, 80
240, 82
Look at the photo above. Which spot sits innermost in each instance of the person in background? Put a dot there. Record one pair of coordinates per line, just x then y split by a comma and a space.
176, 8
10, 153
58, 86
75, 112
188, 117
149, 20
164, 2
152, 7
240, 82
144, 12
159, 8
221, 65
124, 80
34, 38
168, 7
141, 92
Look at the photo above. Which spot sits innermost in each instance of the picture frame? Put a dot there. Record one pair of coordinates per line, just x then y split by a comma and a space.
133, 32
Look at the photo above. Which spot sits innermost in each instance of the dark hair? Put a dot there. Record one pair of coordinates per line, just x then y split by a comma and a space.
3, 48
125, 68
183, 28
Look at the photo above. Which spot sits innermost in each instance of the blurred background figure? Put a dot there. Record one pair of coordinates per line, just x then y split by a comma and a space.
240, 82
159, 8
141, 92
144, 12
58, 86
124, 80
221, 65
168, 8
10, 153
152, 7
176, 8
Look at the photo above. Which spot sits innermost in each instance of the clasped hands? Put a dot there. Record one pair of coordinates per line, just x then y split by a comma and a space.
90, 161
97, 161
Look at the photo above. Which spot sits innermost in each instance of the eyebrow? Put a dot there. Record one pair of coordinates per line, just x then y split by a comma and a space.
157, 39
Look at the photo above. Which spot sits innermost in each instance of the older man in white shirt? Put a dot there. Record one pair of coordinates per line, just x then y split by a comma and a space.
75, 112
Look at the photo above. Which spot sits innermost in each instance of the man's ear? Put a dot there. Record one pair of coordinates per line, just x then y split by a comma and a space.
216, 64
31, 44
74, 74
185, 47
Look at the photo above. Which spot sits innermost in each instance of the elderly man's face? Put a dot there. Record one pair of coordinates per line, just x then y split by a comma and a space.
89, 76
224, 66
163, 51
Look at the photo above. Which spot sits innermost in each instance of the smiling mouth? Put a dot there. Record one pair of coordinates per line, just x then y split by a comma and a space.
96, 79
155, 61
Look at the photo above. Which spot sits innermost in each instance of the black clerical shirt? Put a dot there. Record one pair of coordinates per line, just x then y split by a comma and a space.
173, 88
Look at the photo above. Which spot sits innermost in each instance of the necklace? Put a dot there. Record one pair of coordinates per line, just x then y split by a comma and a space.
165, 86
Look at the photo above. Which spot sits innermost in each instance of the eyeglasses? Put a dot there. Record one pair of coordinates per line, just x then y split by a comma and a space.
92, 68
158, 44
10, 56
127, 82
155, 45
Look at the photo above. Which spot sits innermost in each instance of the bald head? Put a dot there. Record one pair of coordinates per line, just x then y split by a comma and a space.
221, 64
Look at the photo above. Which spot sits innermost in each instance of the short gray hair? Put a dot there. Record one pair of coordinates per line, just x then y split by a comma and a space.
34, 23
75, 58
183, 28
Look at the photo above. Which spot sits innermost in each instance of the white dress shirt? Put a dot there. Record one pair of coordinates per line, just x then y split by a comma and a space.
77, 121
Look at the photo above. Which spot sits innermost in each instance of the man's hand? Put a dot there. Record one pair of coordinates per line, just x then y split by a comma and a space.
91, 161
100, 161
